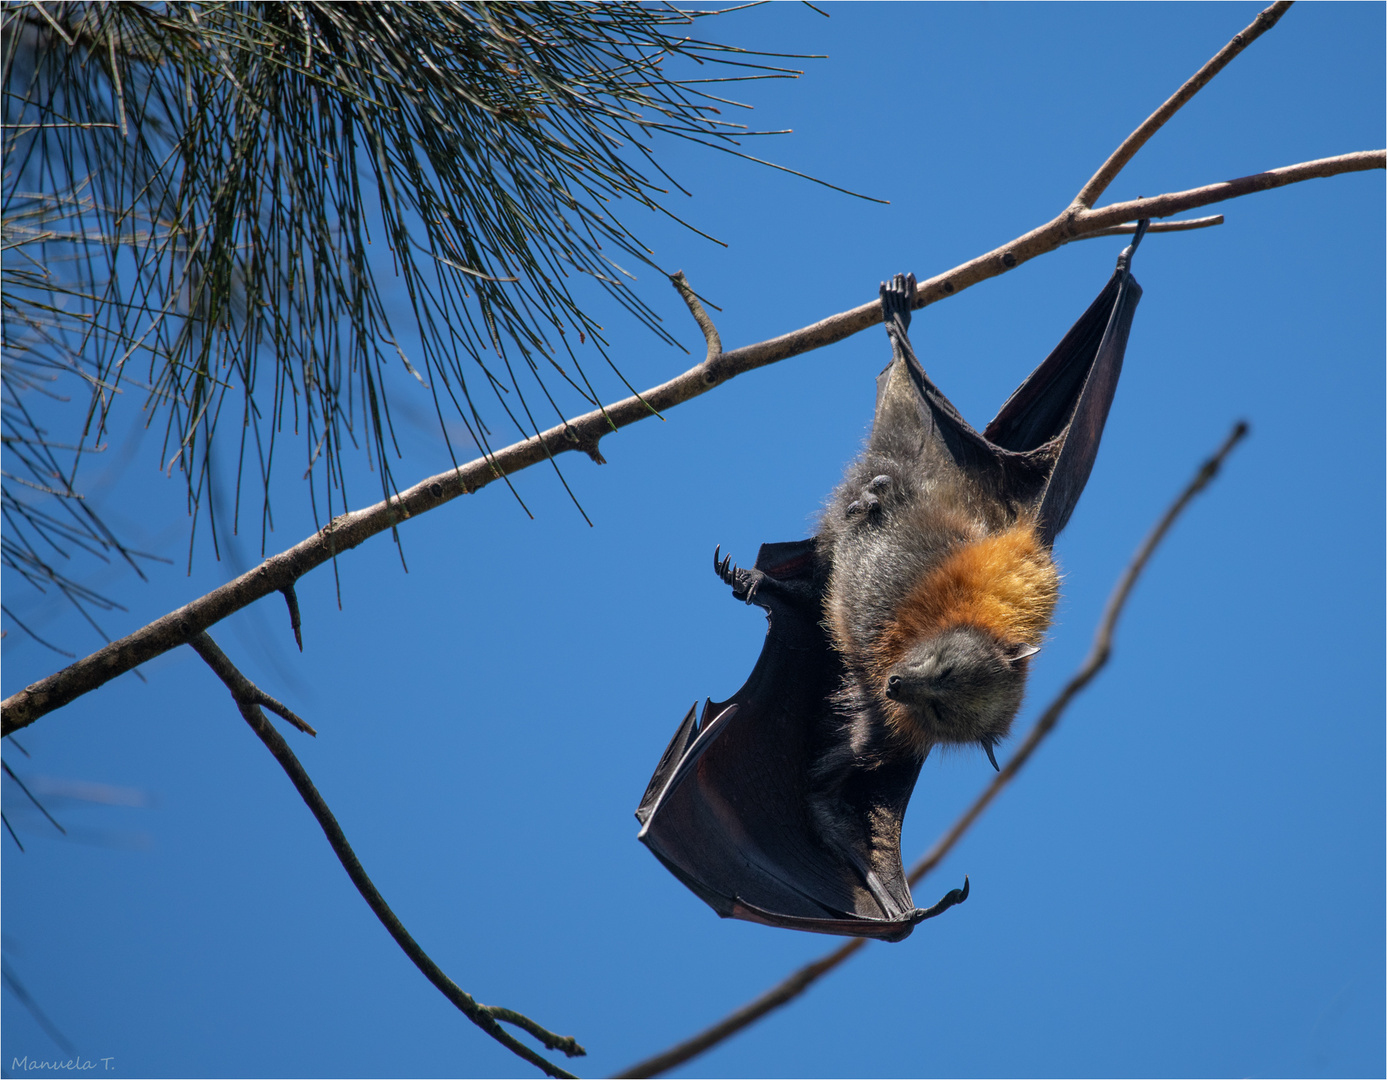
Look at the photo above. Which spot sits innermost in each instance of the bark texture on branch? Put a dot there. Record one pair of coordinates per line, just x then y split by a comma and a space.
345, 532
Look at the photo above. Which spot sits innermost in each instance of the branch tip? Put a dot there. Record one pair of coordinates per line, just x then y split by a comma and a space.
1100, 180
1186, 225
566, 1044
292, 600
705, 323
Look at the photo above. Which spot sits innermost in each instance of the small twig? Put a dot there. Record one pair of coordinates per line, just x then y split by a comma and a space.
248, 700
1264, 21
799, 981
705, 323
1176, 202
291, 598
246, 693
1155, 227
566, 1044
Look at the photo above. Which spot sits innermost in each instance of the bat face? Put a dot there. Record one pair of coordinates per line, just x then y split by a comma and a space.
907, 621
936, 616
960, 686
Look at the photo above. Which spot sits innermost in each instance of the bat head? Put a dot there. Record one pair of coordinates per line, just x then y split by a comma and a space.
961, 685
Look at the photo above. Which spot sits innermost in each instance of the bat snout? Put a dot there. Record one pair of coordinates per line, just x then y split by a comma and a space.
910, 687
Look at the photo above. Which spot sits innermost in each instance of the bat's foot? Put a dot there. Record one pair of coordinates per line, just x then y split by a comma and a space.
744, 583
897, 299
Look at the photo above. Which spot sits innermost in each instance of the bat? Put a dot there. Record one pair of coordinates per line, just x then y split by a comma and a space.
906, 622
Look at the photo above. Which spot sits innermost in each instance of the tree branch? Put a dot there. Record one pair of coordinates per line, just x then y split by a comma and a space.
348, 530
800, 981
1187, 225
705, 322
342, 533
1264, 21
249, 698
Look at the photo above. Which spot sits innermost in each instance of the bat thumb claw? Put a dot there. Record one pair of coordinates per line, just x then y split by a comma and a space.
951, 898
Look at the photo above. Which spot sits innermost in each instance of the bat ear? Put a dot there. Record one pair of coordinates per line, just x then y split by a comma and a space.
1020, 652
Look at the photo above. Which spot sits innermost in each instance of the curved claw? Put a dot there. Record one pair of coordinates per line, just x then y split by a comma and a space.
743, 583
987, 747
725, 568
952, 897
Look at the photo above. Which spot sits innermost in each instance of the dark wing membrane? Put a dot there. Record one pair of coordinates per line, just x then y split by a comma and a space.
729, 809
915, 421
1057, 415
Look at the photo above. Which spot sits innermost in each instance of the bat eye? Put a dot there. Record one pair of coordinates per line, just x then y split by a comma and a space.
881, 482
854, 508
943, 673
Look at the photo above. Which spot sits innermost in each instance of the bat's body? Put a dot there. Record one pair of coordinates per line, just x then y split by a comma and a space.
906, 622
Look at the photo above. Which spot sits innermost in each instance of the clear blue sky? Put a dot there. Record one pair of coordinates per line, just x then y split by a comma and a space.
1187, 880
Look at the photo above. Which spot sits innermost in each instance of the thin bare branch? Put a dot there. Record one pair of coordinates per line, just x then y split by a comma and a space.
249, 698
705, 322
1156, 227
348, 530
1264, 21
295, 623
1177, 202
246, 693
799, 981
1074, 224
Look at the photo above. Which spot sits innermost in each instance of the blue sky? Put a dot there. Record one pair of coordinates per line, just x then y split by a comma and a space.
1186, 880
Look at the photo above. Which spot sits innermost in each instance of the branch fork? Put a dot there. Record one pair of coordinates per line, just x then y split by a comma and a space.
188, 625
1077, 222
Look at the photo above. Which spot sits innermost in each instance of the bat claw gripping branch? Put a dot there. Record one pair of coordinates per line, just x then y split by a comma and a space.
897, 300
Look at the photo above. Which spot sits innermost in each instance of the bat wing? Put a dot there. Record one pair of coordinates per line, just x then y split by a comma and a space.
1039, 450
730, 810
1059, 412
